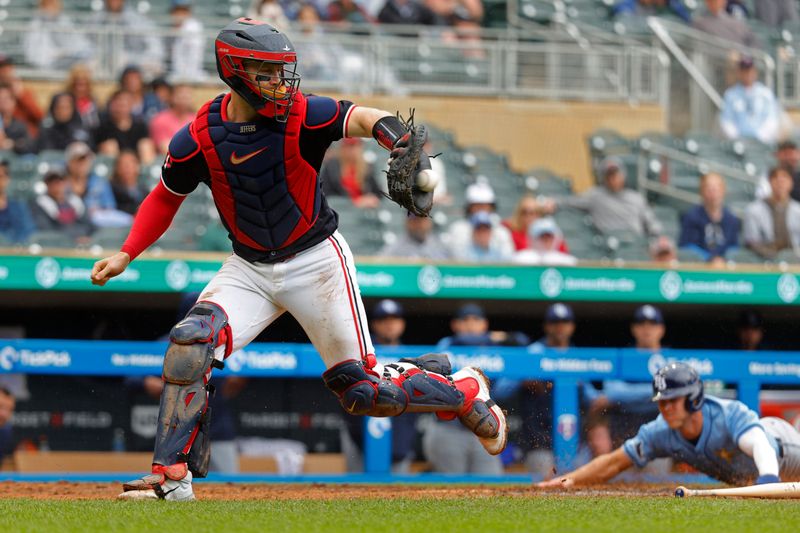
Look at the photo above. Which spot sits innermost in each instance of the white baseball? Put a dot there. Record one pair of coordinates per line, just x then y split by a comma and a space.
427, 180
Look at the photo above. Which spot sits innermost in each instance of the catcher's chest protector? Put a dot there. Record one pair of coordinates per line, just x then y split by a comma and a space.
267, 194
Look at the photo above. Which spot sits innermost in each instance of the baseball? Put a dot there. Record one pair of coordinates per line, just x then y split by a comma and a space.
427, 180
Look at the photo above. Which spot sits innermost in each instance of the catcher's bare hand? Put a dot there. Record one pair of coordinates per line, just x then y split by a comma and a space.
559, 482
107, 268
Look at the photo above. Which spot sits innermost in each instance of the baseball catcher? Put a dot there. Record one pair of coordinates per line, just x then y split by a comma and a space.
259, 149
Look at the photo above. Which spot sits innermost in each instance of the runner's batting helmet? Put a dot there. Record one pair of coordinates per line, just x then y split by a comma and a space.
246, 51
676, 380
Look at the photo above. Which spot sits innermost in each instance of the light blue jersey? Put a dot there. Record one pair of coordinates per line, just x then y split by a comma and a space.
716, 454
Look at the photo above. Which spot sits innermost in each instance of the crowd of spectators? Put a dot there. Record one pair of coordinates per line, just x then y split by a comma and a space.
130, 131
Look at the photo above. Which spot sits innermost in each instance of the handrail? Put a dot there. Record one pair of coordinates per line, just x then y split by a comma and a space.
663, 35
548, 64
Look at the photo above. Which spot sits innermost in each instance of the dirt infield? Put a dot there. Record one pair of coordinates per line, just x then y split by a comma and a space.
246, 491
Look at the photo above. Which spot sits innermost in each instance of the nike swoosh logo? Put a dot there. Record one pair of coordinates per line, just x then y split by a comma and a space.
238, 160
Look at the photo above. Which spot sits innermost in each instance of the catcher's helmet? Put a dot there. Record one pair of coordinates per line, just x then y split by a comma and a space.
676, 380
247, 51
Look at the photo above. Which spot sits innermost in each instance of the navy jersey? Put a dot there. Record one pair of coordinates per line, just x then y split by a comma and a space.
261, 231
716, 452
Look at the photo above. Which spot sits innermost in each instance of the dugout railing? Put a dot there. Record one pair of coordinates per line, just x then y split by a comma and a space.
567, 370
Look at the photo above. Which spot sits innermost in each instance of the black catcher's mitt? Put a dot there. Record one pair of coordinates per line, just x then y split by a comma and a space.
406, 160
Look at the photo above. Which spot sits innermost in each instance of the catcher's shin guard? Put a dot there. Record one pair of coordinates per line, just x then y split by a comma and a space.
401, 387
184, 417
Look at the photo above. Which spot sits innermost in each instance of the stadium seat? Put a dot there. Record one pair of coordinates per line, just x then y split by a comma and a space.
744, 255
52, 239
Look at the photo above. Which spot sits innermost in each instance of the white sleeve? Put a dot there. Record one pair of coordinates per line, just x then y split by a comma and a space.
754, 443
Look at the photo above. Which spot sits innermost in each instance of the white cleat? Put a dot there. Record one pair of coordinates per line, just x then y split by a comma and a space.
159, 487
486, 419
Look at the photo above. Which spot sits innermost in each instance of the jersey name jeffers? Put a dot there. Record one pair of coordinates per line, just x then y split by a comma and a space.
249, 128
236, 160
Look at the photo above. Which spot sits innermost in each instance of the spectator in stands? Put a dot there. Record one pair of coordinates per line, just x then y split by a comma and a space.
418, 242
648, 8
58, 209
483, 247
536, 396
53, 41
710, 229
95, 191
119, 130
271, 12
188, 48
144, 104
27, 109
788, 157
612, 207
662, 250
546, 243
347, 173
749, 108
750, 330
318, 55
387, 324
13, 133
162, 91
348, 12
629, 403
773, 224
7, 404
448, 446
408, 12
480, 197
166, 123
456, 13
525, 213
719, 23
776, 13
16, 223
79, 85
62, 125
140, 44
128, 192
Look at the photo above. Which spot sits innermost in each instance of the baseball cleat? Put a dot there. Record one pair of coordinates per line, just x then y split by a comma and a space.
485, 418
158, 487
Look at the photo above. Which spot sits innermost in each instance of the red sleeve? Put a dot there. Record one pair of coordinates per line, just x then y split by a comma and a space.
152, 220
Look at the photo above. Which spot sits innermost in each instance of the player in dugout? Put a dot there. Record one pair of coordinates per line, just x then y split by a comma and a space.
723, 439
259, 148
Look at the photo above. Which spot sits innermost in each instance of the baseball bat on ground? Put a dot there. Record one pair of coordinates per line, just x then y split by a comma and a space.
767, 490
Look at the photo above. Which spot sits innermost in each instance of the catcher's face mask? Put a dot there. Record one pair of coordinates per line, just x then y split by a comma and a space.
273, 85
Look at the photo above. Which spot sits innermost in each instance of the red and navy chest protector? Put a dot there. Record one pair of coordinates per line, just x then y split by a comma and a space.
263, 175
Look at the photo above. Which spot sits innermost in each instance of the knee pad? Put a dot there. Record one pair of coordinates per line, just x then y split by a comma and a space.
193, 341
361, 393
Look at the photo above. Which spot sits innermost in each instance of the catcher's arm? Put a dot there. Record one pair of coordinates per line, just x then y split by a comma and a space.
362, 120
598, 470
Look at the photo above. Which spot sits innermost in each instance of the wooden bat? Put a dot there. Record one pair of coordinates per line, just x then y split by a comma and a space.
767, 490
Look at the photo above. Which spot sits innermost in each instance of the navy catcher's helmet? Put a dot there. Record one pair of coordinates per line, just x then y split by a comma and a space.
244, 48
676, 380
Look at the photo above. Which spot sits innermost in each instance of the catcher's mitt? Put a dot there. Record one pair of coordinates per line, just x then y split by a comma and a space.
407, 159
